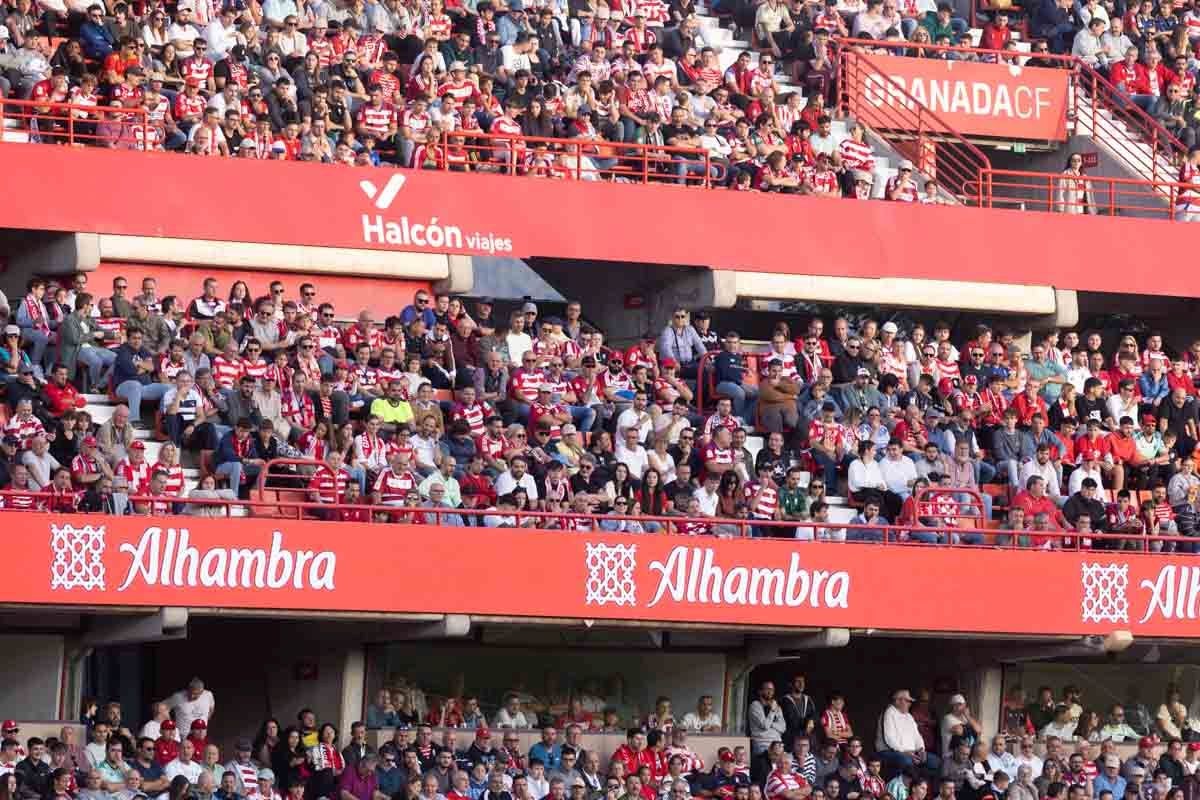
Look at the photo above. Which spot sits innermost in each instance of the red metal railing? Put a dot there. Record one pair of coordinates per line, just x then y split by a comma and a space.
70, 124
891, 534
1059, 193
571, 159
937, 150
1096, 106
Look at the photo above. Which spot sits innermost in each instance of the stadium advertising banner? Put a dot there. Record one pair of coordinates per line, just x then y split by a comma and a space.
259, 563
321, 205
1002, 101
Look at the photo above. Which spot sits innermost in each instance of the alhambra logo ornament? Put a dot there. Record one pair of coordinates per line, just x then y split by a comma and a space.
610, 574
1104, 592
77, 557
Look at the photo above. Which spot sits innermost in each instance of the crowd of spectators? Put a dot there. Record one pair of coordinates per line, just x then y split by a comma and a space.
425, 84
798, 749
444, 409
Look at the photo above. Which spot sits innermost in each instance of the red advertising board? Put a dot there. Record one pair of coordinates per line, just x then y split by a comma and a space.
1002, 101
428, 211
315, 566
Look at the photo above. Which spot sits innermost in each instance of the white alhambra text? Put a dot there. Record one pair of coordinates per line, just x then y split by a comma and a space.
690, 575
166, 557
1175, 593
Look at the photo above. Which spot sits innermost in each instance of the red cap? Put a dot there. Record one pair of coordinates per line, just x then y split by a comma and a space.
1149, 419
482, 732
193, 82
668, 362
1147, 741
199, 725
138, 444
9, 725
90, 441
971, 379
726, 757
168, 725
1193, 745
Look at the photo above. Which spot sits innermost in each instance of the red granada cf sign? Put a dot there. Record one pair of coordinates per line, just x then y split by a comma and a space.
335, 566
999, 101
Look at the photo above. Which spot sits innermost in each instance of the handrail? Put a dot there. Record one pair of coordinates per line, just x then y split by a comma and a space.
76, 124
1108, 196
889, 534
568, 157
935, 147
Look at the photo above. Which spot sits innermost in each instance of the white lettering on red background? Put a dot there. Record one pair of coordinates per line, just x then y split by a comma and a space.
1174, 594
689, 575
956, 96
166, 557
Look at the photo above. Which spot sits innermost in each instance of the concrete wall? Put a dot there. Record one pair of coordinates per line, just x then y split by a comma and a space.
32, 676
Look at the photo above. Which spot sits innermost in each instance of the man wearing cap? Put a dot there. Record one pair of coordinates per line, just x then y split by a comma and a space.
243, 769
899, 742
859, 393
1144, 759
1109, 779
901, 187
266, 785
959, 714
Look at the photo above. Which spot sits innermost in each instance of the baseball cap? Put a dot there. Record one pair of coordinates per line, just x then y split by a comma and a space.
971, 379
168, 724
1146, 741
89, 441
242, 744
3, 32
891, 327
568, 429
192, 81
905, 164
9, 726
1149, 419
138, 444
726, 757
668, 363
266, 775
12, 329
862, 372
482, 733
958, 700
199, 725
457, 65
529, 308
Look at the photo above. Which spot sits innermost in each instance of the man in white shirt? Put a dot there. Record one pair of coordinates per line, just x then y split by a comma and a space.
183, 33
999, 758
1042, 467
160, 713
899, 743
630, 453
1089, 468
636, 417
516, 339
184, 765
517, 475
704, 719
193, 703
221, 33
707, 495
898, 470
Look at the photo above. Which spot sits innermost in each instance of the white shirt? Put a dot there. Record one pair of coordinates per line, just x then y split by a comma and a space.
503, 719
423, 450
898, 474
518, 345
188, 711
899, 732
183, 33
220, 39
865, 476
693, 722
95, 753
505, 484
1076, 482
1046, 472
191, 770
513, 60
708, 502
634, 459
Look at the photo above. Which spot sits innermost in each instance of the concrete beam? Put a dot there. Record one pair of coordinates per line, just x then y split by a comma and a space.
460, 277
168, 622
766, 650
452, 626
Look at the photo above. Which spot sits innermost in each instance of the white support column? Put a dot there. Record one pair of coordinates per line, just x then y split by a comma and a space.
354, 688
